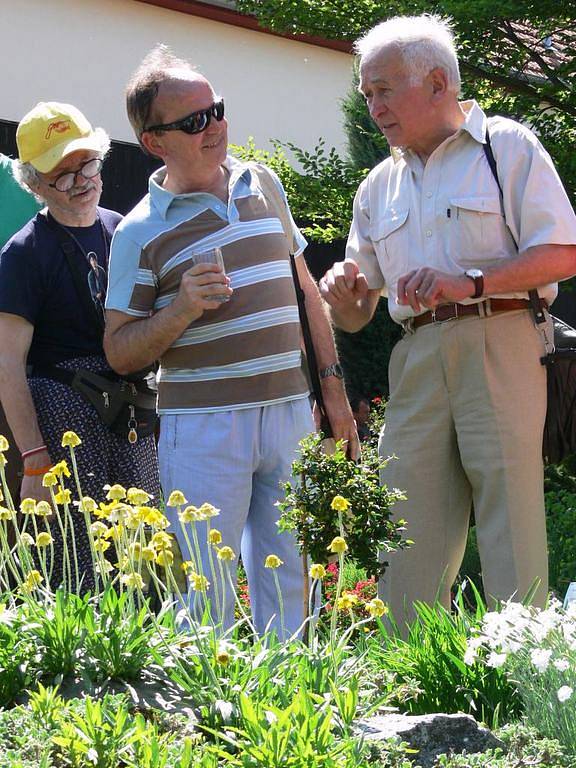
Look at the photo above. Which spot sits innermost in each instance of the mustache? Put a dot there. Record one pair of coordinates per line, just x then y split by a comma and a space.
75, 191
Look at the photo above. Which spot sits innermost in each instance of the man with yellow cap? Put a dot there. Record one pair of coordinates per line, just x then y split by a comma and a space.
52, 282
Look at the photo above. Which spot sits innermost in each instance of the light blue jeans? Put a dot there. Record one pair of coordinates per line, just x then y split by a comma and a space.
237, 460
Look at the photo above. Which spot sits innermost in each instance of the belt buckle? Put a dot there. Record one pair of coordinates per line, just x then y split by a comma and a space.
448, 319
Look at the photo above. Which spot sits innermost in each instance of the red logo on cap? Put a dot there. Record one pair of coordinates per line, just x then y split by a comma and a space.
59, 126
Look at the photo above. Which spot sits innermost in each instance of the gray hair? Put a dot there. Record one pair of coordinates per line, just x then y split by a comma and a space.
29, 177
425, 42
158, 66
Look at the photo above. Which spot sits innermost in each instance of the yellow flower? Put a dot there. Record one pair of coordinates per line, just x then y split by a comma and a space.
155, 519
49, 480
176, 499
61, 469
44, 539
208, 510
1, 495
338, 545
115, 492
214, 536
7, 514
346, 602
135, 549
132, 580
188, 567
164, 558
340, 504
161, 540
34, 579
70, 440
199, 583
63, 496
43, 509
137, 496
148, 554
103, 510
87, 504
115, 533
3, 460
223, 657
98, 529
190, 514
4, 444
101, 545
376, 607
273, 561
26, 539
317, 571
104, 567
226, 553
28, 507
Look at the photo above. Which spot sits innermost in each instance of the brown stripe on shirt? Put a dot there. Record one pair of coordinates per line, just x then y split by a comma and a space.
232, 392
234, 349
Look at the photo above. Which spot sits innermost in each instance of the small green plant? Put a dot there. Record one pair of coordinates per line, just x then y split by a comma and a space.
429, 664
367, 524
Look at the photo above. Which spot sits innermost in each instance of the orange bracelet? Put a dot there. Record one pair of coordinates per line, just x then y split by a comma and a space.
29, 472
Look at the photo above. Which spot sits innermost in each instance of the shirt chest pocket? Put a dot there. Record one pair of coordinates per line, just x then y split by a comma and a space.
389, 235
477, 230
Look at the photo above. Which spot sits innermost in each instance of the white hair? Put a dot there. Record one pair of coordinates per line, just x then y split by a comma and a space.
425, 42
28, 176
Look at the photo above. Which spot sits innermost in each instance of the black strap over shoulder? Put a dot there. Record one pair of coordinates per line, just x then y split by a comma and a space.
69, 248
535, 300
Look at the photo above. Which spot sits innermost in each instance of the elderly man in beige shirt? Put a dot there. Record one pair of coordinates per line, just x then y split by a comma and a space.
468, 391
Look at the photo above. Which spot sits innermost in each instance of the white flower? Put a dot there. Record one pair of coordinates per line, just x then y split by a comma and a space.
540, 657
496, 659
561, 664
472, 650
564, 693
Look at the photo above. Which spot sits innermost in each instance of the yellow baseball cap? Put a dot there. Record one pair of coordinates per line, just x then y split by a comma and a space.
51, 131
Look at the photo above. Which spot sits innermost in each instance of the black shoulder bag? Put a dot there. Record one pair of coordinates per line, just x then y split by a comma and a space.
560, 361
126, 406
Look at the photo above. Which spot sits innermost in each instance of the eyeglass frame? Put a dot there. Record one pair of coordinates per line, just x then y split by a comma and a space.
177, 125
74, 174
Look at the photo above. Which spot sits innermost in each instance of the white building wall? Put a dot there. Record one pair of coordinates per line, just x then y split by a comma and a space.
83, 51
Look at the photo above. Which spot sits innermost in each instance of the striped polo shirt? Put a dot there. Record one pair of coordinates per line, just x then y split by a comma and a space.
247, 352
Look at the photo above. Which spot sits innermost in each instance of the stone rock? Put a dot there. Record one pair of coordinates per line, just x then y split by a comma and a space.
431, 735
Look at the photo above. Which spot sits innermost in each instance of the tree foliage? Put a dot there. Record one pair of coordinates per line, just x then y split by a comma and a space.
518, 57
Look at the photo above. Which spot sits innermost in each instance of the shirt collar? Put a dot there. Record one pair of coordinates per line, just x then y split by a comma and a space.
474, 123
162, 198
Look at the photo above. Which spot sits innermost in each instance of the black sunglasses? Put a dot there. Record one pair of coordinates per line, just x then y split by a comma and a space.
196, 122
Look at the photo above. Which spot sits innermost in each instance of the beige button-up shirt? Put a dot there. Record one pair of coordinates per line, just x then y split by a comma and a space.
448, 213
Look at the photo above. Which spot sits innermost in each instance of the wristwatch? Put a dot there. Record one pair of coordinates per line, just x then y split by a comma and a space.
478, 277
332, 370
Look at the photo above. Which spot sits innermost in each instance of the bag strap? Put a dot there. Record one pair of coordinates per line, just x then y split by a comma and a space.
535, 300
69, 247
270, 188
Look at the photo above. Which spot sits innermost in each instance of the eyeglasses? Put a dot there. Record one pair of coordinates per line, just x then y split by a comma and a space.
87, 170
196, 122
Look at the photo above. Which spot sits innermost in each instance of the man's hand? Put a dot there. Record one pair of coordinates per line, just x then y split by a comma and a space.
343, 285
427, 288
32, 488
340, 416
198, 286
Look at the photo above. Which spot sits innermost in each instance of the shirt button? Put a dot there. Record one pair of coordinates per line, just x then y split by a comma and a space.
428, 195
428, 233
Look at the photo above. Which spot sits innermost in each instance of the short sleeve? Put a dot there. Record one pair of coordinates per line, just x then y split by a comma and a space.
23, 284
360, 247
131, 283
536, 205
299, 242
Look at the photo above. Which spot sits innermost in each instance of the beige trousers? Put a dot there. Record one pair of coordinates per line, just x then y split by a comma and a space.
465, 421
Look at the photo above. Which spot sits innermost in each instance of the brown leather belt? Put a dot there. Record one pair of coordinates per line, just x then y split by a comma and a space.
446, 312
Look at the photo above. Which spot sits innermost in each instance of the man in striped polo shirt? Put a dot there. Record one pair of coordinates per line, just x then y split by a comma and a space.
233, 396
